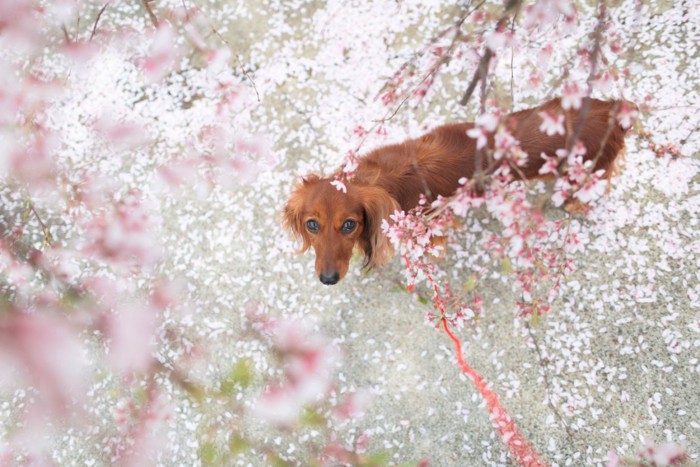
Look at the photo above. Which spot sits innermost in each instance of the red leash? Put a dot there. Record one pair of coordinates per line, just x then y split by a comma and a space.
519, 447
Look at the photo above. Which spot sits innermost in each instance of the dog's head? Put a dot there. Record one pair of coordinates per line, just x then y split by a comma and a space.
333, 222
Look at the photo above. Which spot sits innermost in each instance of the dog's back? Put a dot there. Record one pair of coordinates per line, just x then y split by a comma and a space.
434, 163
431, 165
602, 136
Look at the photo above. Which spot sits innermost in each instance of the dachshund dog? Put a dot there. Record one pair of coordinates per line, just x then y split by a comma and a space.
394, 177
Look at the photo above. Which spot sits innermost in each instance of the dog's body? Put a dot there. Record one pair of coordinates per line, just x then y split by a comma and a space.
394, 177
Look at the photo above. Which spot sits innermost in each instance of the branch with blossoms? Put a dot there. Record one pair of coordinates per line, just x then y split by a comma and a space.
494, 41
299, 399
414, 79
79, 247
537, 252
83, 297
574, 178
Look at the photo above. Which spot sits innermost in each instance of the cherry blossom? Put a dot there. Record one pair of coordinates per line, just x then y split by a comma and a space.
485, 124
308, 364
571, 96
162, 52
551, 124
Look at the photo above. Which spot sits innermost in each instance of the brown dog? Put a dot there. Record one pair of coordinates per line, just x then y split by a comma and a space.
394, 177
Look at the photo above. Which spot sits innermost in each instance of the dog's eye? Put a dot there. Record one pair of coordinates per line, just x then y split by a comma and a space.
312, 226
348, 226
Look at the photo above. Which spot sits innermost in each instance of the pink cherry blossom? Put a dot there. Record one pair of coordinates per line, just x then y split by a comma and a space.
122, 234
340, 186
485, 124
309, 363
498, 39
571, 96
162, 53
592, 189
130, 332
551, 124
544, 56
48, 353
627, 114
550, 166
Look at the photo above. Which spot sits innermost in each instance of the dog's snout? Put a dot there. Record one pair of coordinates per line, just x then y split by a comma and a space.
329, 279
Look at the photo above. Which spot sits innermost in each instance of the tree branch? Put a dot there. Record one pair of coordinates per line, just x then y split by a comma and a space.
97, 20
48, 238
547, 384
586, 104
483, 67
147, 5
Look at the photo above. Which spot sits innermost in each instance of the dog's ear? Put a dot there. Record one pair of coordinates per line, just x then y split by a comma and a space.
294, 211
377, 205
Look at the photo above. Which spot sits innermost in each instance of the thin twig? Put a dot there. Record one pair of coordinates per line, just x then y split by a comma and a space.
586, 104
151, 15
684, 141
97, 20
65, 34
479, 74
483, 67
48, 238
238, 59
456, 27
547, 385
512, 58
187, 13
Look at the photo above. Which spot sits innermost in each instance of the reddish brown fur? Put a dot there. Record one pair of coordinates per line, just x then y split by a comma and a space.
395, 176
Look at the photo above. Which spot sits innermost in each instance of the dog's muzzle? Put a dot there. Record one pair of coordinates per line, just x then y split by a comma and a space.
329, 279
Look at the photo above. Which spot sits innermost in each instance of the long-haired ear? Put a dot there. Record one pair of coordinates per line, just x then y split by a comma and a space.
294, 211
378, 205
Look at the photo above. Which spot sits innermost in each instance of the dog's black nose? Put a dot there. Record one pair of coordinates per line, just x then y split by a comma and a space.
329, 279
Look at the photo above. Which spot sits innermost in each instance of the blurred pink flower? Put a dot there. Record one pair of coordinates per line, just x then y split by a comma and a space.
120, 134
652, 454
49, 353
660, 455
130, 330
143, 431
123, 234
541, 13
279, 405
353, 405
604, 82
544, 56
499, 39
309, 363
571, 96
614, 460
21, 32
628, 114
162, 53
33, 162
